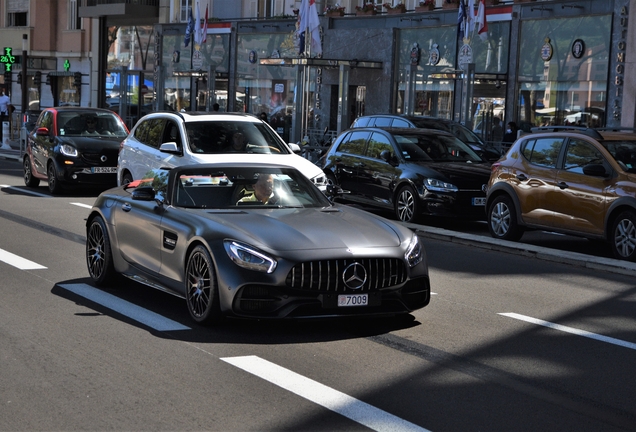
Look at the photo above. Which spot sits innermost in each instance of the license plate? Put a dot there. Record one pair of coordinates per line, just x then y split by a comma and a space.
102, 170
353, 300
479, 201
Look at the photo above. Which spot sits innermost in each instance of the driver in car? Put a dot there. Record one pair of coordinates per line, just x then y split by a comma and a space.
263, 191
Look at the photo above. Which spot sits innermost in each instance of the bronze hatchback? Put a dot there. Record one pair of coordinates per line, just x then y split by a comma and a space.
570, 180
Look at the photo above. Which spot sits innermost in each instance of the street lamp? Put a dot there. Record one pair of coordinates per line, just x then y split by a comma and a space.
25, 46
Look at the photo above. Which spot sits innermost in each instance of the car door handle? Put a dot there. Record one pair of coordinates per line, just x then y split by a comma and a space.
563, 185
522, 177
346, 171
126, 207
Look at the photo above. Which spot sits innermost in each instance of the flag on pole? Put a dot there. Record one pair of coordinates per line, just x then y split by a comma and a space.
197, 27
204, 35
308, 21
461, 19
470, 19
189, 28
482, 25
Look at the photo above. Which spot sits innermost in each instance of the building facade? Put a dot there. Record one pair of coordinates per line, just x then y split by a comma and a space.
539, 62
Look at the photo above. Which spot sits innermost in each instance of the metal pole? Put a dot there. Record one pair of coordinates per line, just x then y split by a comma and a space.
25, 96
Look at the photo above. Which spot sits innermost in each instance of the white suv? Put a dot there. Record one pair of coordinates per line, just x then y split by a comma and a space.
170, 139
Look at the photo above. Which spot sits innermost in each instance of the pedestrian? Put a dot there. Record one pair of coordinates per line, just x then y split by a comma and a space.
263, 116
496, 133
511, 133
5, 104
215, 107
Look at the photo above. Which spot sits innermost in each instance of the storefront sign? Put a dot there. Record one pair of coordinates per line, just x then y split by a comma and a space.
578, 48
465, 56
620, 65
546, 50
433, 56
197, 60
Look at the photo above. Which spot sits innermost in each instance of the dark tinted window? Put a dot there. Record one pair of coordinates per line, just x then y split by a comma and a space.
400, 123
216, 137
382, 121
436, 148
543, 151
354, 143
377, 144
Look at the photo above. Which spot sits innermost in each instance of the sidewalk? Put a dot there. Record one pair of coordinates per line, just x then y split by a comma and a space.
10, 149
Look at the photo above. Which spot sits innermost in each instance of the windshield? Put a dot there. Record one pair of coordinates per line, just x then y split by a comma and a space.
247, 187
460, 131
220, 137
82, 123
431, 148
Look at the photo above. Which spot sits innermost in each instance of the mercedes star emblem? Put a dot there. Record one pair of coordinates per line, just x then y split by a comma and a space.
354, 276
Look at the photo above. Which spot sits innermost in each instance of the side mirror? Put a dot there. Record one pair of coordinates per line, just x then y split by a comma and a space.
294, 147
170, 147
595, 170
386, 156
42, 131
144, 193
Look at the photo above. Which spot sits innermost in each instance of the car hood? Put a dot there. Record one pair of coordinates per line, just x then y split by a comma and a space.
300, 229
90, 143
462, 174
303, 165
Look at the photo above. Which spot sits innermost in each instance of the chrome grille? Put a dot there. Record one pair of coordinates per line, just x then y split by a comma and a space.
326, 276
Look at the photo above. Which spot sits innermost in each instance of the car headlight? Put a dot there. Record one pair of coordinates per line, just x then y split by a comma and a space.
414, 253
248, 257
439, 186
68, 150
320, 180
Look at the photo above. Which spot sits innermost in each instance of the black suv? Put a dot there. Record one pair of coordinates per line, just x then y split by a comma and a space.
413, 172
459, 130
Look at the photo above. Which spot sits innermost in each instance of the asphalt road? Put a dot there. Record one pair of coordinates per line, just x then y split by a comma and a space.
513, 340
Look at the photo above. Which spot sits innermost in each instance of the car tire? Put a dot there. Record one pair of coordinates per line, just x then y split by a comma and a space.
99, 255
623, 236
502, 219
29, 179
54, 184
407, 205
126, 178
201, 289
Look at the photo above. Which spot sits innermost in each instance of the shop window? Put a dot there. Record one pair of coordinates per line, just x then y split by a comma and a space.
17, 19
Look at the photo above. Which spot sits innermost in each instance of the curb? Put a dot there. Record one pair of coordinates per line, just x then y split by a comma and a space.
531, 251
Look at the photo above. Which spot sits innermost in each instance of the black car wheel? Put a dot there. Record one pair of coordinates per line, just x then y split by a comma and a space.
407, 205
623, 237
99, 256
126, 178
29, 180
54, 184
202, 294
502, 219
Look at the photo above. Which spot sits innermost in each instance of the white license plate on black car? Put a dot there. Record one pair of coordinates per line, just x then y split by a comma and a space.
479, 201
102, 170
346, 300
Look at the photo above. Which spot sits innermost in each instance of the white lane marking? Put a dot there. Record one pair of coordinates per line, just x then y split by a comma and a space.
18, 261
571, 330
83, 205
132, 311
320, 394
25, 191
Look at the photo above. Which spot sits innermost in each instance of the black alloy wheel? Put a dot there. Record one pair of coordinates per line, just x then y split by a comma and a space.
502, 219
29, 179
623, 238
99, 256
202, 293
54, 184
407, 206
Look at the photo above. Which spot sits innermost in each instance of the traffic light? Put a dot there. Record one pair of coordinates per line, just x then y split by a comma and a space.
48, 79
7, 77
19, 78
77, 79
37, 79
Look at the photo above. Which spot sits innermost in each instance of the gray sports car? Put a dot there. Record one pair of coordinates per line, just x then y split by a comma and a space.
256, 241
